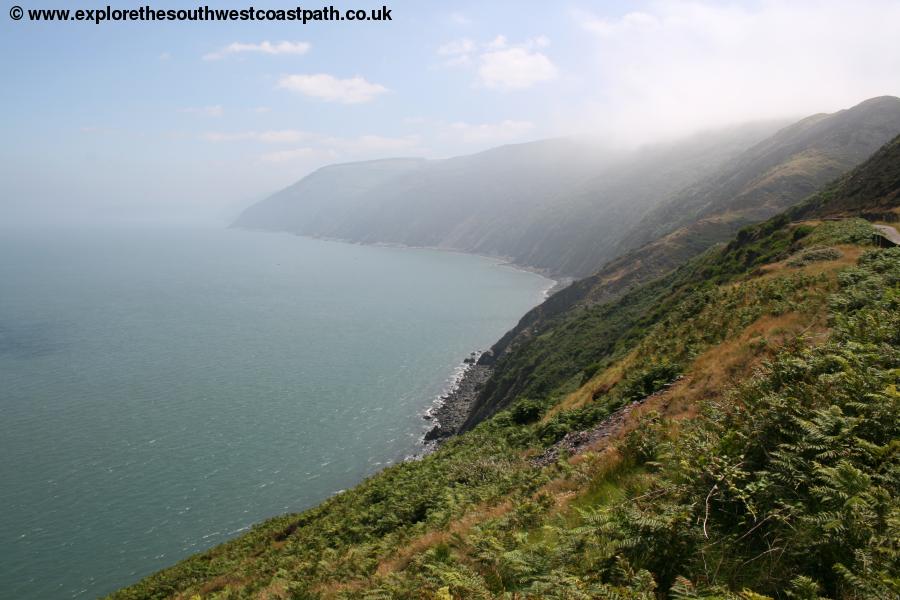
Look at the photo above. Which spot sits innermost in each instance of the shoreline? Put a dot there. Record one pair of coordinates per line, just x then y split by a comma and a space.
558, 281
450, 410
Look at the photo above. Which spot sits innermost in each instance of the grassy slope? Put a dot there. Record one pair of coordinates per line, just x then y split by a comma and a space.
631, 288
776, 173
788, 480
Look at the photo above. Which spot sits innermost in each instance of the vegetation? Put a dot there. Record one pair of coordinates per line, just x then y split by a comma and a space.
759, 457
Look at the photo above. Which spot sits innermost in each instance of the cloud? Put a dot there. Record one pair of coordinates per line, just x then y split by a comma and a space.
318, 145
514, 69
458, 52
498, 43
295, 48
334, 148
457, 47
500, 64
282, 136
294, 155
328, 88
676, 66
489, 133
366, 144
165, 56
204, 111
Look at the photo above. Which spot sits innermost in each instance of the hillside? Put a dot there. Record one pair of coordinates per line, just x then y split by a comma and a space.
872, 189
568, 207
765, 180
776, 173
555, 205
726, 431
868, 190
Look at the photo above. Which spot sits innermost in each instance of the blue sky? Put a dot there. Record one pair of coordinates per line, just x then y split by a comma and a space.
192, 121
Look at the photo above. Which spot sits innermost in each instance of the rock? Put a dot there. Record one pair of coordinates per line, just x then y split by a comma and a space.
576, 442
487, 358
435, 433
453, 410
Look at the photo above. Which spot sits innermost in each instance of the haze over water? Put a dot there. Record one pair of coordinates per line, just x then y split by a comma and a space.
163, 389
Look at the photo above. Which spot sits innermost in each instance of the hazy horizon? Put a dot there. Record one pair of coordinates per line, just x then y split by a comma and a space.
187, 124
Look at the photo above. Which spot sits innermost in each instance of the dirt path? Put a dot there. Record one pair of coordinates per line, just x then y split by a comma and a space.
576, 442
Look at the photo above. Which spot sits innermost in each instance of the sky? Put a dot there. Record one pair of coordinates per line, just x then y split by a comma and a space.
191, 122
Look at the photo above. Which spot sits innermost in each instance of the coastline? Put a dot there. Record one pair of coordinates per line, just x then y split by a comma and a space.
450, 410
557, 280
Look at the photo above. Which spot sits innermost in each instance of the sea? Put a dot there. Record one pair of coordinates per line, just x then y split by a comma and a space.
162, 389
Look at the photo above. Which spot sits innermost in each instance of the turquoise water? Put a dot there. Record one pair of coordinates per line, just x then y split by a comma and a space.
163, 389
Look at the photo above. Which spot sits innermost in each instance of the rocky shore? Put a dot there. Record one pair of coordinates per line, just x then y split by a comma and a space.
452, 409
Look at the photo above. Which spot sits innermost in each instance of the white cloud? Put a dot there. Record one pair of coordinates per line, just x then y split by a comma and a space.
297, 154
541, 41
295, 48
502, 65
290, 136
204, 111
215, 136
457, 47
319, 145
282, 136
373, 144
457, 53
165, 56
498, 43
490, 133
355, 90
338, 148
515, 69
676, 66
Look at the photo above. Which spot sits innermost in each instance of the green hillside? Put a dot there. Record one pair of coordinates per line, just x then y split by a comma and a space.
729, 430
630, 280
776, 173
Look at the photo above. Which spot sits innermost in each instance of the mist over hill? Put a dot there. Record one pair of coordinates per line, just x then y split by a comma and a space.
568, 206
557, 205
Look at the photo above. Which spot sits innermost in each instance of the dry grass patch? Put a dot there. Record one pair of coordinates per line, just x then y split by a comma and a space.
850, 254
599, 384
457, 527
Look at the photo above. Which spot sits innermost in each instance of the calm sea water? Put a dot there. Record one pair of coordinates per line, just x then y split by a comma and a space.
162, 390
